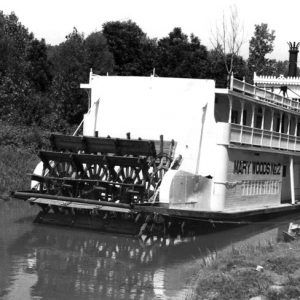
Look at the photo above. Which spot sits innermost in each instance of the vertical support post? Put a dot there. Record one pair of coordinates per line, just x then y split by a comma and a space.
252, 121
242, 112
288, 132
280, 128
262, 125
96, 116
272, 120
230, 109
253, 115
289, 124
231, 79
242, 119
292, 180
296, 131
280, 122
271, 126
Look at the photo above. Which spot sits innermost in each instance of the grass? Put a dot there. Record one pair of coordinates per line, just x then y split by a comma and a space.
18, 155
234, 276
14, 165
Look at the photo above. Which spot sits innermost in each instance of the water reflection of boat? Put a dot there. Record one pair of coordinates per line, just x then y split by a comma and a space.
81, 265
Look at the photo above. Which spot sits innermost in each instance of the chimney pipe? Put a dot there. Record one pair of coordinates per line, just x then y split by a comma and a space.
293, 59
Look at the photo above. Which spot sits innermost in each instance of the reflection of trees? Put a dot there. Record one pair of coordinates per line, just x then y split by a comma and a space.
107, 266
76, 264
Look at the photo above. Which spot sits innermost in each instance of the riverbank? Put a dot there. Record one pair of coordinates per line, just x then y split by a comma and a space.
19, 146
14, 165
266, 272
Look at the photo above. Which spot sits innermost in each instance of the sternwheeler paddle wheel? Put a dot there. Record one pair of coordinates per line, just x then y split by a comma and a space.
95, 182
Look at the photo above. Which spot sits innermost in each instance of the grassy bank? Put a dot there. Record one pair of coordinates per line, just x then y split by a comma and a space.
19, 146
15, 163
234, 275
18, 155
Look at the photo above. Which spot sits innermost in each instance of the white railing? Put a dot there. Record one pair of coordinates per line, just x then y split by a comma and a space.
263, 138
264, 95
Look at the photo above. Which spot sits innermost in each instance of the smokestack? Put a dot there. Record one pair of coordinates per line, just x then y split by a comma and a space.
293, 59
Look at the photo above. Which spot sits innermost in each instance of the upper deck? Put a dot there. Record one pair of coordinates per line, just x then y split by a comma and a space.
258, 119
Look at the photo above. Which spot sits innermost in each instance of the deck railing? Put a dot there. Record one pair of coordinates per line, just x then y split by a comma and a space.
241, 134
264, 95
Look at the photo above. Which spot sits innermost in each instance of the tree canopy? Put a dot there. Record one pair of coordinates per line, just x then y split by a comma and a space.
40, 83
260, 45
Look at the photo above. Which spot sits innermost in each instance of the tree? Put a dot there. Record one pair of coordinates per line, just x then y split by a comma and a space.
15, 87
228, 39
218, 70
70, 70
260, 45
38, 66
180, 56
98, 56
131, 48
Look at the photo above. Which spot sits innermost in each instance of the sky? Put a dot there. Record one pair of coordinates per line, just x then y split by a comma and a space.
55, 19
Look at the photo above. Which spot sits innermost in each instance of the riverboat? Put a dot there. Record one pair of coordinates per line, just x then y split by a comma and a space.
160, 150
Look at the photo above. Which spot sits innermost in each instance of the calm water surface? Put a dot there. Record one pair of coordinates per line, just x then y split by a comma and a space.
48, 262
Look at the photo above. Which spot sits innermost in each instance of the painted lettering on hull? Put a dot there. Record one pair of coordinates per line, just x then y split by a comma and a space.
256, 167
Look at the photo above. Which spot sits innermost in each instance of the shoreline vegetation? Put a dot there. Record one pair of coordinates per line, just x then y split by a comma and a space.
19, 146
233, 274
257, 272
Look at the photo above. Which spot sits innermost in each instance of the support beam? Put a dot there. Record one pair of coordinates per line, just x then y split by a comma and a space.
262, 125
263, 118
272, 126
230, 109
272, 120
289, 124
253, 115
292, 180
242, 112
280, 122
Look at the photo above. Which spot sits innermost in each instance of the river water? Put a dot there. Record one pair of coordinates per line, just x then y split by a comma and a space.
48, 262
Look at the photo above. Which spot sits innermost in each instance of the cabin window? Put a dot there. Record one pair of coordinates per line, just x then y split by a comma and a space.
277, 120
284, 171
282, 124
258, 120
234, 117
245, 117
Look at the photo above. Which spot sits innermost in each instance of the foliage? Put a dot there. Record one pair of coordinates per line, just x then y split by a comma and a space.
69, 71
40, 83
98, 56
131, 48
23, 137
180, 56
260, 45
38, 66
217, 68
